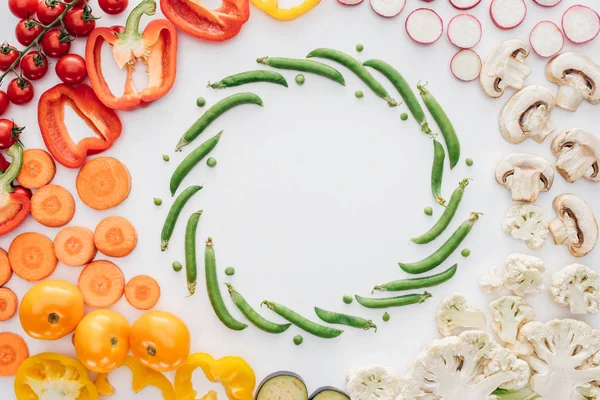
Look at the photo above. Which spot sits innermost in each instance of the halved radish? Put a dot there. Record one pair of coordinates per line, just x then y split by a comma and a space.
388, 8
350, 2
508, 14
546, 39
580, 24
424, 26
464, 4
547, 3
464, 31
466, 65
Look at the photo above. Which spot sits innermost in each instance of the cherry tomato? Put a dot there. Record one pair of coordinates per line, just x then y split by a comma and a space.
21, 190
56, 43
80, 21
3, 101
20, 91
27, 30
34, 65
47, 11
22, 8
8, 55
71, 69
113, 7
9, 133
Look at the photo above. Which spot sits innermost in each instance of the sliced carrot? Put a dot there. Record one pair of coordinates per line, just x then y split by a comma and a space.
74, 246
142, 292
13, 351
31, 256
5, 269
52, 206
101, 283
8, 304
103, 183
38, 169
115, 237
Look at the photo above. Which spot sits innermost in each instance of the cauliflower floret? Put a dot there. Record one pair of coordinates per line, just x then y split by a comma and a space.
509, 314
528, 223
524, 274
372, 383
578, 287
493, 280
455, 312
469, 366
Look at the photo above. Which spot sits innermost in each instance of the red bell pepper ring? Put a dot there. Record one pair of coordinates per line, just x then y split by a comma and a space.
14, 207
203, 23
51, 118
156, 47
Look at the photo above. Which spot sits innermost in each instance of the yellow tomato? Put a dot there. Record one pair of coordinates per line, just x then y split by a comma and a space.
160, 340
51, 310
102, 340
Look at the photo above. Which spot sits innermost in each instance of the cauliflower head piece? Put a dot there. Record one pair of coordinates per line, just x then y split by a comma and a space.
578, 287
509, 314
524, 274
372, 383
528, 223
454, 312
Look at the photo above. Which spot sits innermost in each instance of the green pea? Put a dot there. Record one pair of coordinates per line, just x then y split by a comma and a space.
404, 116
177, 266
359, 94
465, 253
211, 162
201, 102
300, 79
298, 340
166, 157
348, 299
229, 271
157, 201
386, 317
428, 211
360, 47
469, 162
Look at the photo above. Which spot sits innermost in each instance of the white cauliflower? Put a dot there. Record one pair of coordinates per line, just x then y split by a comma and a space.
455, 312
493, 280
524, 274
578, 287
372, 383
509, 314
466, 367
528, 223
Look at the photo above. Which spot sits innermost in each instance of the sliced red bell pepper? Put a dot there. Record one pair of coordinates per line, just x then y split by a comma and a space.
14, 207
51, 118
203, 23
156, 47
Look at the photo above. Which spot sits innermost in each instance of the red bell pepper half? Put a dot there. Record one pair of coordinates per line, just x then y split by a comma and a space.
14, 207
82, 99
156, 47
203, 23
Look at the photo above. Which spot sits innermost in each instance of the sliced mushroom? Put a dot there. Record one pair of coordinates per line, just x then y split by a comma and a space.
527, 115
504, 67
526, 175
575, 226
578, 77
578, 155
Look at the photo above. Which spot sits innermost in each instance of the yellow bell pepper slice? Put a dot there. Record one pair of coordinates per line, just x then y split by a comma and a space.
233, 373
271, 7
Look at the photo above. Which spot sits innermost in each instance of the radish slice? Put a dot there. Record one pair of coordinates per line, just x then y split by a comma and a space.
546, 39
424, 26
547, 3
466, 65
508, 14
388, 8
464, 31
350, 2
464, 4
580, 24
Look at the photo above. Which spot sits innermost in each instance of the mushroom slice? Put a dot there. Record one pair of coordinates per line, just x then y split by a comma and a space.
578, 155
578, 77
575, 226
527, 115
504, 67
526, 175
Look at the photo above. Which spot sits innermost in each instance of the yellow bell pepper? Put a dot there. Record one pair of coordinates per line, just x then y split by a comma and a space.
233, 373
142, 376
271, 7
53, 376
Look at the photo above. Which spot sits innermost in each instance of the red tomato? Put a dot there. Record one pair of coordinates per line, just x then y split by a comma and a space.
3, 163
22, 8
56, 43
8, 55
71, 69
113, 6
3, 101
27, 30
47, 11
34, 65
22, 190
9, 133
80, 21
20, 91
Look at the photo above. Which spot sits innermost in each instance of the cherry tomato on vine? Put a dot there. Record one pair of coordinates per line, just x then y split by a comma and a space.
3, 163
56, 43
9, 133
80, 21
3, 101
27, 30
34, 65
71, 69
113, 7
47, 11
8, 55
20, 91
22, 8
21, 190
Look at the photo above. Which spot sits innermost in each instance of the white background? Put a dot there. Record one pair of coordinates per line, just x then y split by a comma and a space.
318, 193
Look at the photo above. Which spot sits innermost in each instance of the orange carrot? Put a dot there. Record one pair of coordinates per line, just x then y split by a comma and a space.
38, 169
74, 246
13, 351
31, 256
115, 237
101, 283
8, 304
5, 269
142, 292
103, 183
52, 206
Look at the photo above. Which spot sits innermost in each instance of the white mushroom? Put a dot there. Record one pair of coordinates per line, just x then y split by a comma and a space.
578, 154
504, 67
527, 115
575, 226
578, 77
526, 175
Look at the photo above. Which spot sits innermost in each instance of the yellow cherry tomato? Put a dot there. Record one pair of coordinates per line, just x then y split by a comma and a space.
102, 340
160, 340
51, 310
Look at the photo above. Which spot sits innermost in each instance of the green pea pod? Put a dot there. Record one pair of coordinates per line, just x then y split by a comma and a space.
309, 66
417, 283
173, 214
244, 78
255, 318
437, 171
303, 323
343, 319
398, 301
191, 270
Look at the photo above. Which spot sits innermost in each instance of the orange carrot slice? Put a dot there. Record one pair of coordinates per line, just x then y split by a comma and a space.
101, 283
13, 351
103, 183
52, 206
38, 169
5, 269
115, 237
8, 304
142, 292
74, 246
31, 256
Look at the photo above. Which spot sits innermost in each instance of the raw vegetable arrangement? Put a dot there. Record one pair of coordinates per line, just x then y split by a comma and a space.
517, 357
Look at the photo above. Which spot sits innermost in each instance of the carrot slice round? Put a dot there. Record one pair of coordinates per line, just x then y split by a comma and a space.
8, 304
101, 283
103, 183
31, 256
5, 269
13, 351
38, 169
74, 246
52, 206
142, 292
115, 237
